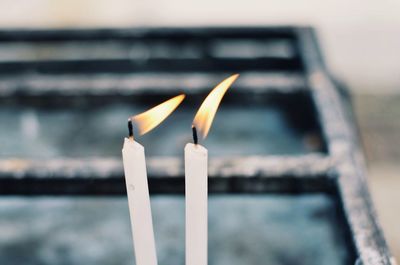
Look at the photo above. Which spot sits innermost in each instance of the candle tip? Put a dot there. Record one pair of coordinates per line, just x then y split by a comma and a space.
195, 138
130, 129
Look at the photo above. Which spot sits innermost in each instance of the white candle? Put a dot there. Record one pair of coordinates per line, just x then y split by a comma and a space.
196, 159
136, 180
139, 202
196, 204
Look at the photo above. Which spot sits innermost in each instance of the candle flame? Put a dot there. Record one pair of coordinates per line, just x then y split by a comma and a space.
148, 120
206, 113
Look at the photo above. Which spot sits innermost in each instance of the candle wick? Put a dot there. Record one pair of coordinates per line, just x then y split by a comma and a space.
130, 129
194, 131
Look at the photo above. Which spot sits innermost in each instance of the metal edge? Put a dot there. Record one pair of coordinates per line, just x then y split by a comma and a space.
343, 146
105, 175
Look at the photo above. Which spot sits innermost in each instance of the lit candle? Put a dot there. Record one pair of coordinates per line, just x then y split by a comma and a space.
136, 181
196, 157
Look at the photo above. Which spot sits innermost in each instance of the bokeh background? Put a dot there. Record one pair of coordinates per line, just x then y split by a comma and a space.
360, 41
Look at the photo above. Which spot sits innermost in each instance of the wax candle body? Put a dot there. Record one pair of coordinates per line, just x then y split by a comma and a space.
139, 203
196, 157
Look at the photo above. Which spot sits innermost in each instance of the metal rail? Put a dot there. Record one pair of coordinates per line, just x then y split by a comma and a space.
341, 171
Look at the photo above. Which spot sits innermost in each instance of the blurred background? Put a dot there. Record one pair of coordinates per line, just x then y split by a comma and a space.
360, 41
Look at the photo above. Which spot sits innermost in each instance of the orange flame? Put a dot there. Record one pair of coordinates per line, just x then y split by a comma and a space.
206, 113
148, 120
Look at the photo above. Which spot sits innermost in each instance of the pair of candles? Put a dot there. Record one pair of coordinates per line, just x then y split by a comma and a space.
196, 159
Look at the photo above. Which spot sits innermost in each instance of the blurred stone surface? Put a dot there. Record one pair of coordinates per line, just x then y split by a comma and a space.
243, 229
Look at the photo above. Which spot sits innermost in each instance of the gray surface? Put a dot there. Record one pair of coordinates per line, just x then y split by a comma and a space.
273, 230
81, 132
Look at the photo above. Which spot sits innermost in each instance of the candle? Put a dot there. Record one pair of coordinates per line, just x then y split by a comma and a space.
196, 157
134, 161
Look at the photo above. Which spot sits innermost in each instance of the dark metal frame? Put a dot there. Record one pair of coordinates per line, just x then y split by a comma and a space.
340, 171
